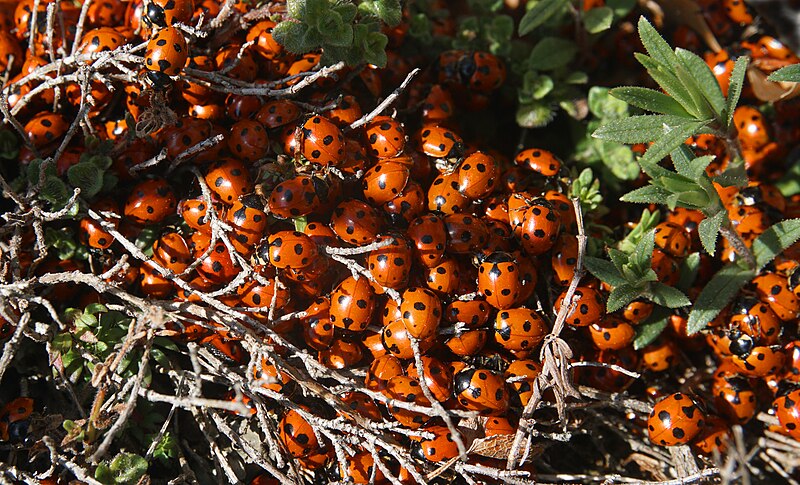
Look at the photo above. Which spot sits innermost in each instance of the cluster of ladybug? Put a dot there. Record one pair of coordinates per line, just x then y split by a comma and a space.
402, 233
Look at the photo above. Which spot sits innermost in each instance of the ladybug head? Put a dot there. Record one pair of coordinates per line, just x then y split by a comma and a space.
463, 380
154, 15
159, 80
741, 344
785, 387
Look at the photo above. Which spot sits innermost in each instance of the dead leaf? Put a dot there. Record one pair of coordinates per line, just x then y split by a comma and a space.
499, 446
770, 91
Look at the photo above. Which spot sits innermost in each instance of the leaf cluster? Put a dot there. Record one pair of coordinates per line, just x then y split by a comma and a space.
123, 469
343, 30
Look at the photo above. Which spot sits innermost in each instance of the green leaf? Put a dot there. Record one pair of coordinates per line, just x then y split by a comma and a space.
716, 294
643, 129
643, 252
656, 46
702, 77
539, 14
604, 270
621, 8
650, 329
300, 223
649, 194
735, 88
621, 295
688, 271
375, 48
734, 175
670, 83
347, 11
650, 100
103, 162
551, 53
296, 37
604, 105
9, 144
789, 184
334, 31
668, 296
775, 240
389, 11
696, 168
86, 176
128, 468
534, 115
668, 141
789, 74
55, 191
618, 258
618, 158
62, 342
598, 19
709, 230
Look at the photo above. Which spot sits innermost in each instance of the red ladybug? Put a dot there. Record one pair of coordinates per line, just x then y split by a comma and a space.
381, 370
352, 304
264, 43
675, 420
429, 235
612, 333
162, 13
150, 202
540, 227
734, 398
195, 213
478, 175
248, 222
166, 54
787, 410
45, 128
481, 390
228, 179
92, 232
421, 312
590, 307
440, 142
444, 197
540, 161
277, 113
441, 447
390, 265
321, 141
385, 181
499, 280
294, 197
356, 222
297, 435
385, 137
218, 266
248, 140
519, 330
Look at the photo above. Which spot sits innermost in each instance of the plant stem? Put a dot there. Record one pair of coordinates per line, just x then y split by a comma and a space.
738, 244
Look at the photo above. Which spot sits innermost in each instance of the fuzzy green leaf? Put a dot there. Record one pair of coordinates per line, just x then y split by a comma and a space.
655, 45
540, 14
642, 129
643, 252
688, 271
604, 270
735, 88
670, 83
603, 104
650, 100
534, 115
716, 294
618, 258
551, 53
775, 240
621, 295
702, 77
650, 329
789, 74
598, 19
375, 48
709, 230
348, 11
296, 37
54, 191
666, 142
649, 194
86, 176
668, 296
734, 175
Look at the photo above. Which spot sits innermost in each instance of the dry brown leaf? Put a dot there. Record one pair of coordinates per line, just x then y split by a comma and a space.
770, 91
499, 446
687, 12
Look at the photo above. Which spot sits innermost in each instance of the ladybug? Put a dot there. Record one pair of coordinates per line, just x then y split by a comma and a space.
194, 212
321, 141
438, 377
45, 128
441, 447
166, 54
172, 252
474, 313
478, 175
612, 333
352, 304
753, 132
248, 222
356, 222
498, 425
466, 343
318, 331
440, 142
407, 389
218, 266
385, 137
248, 140
429, 236
14, 417
792, 353
363, 405
540, 227
481, 390
421, 312
161, 13
756, 319
760, 361
438, 105
590, 307
774, 289
92, 232
289, 249
521, 375
346, 112
390, 265
737, 11
466, 234
229, 351
228, 179
499, 280
342, 354
444, 197
637, 311
277, 113
406, 206
787, 410
269, 377
519, 330
397, 341
385, 181
660, 355
253, 294
564, 259
264, 43
734, 398
675, 420
297, 435
673, 239
381, 370
713, 438
294, 197
482, 72
102, 39
361, 469
539, 161
445, 278
666, 267
150, 202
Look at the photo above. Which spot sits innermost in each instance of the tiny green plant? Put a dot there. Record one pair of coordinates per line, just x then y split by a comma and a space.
692, 103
